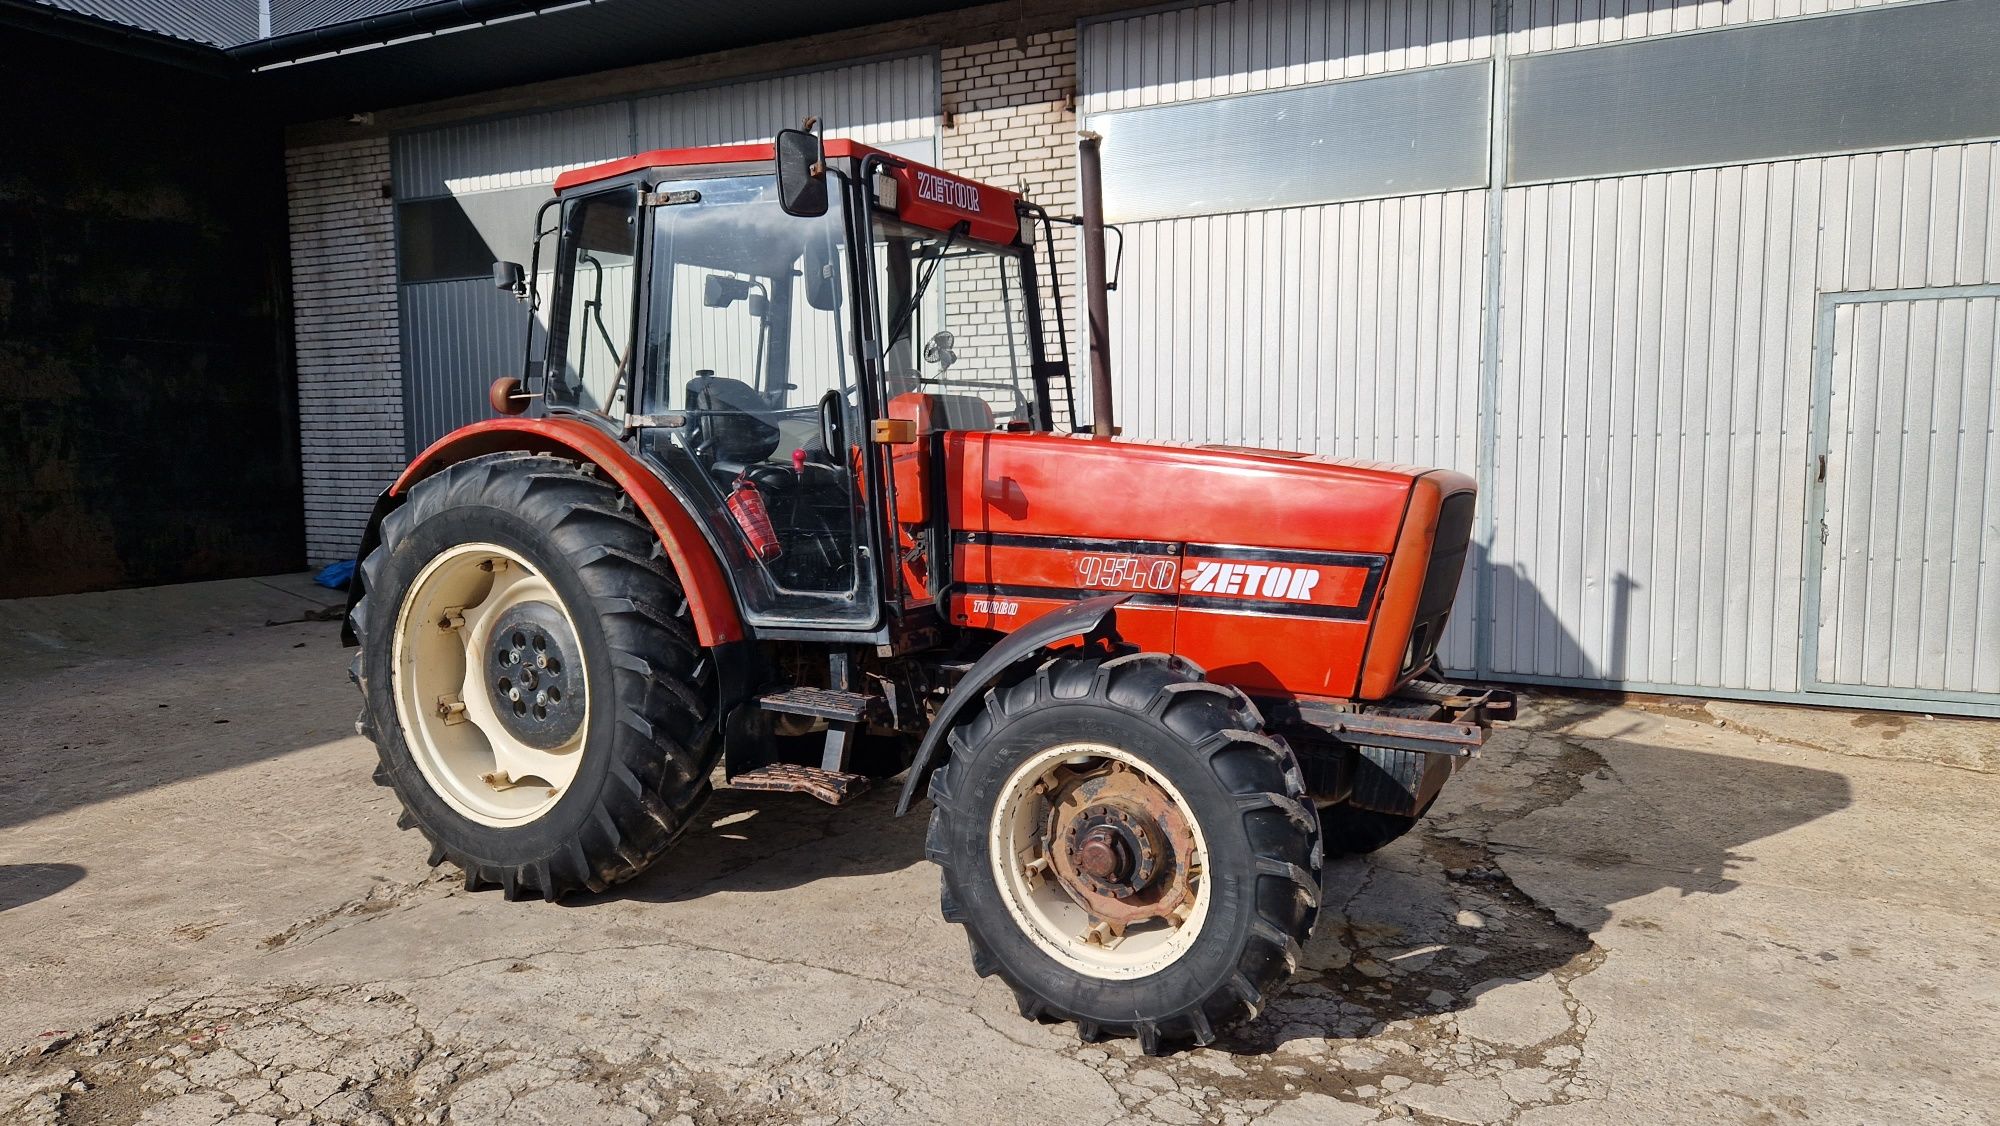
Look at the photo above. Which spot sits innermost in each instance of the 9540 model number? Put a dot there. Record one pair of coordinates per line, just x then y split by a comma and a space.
1127, 572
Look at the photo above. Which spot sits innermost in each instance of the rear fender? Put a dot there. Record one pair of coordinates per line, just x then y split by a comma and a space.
711, 600
1092, 617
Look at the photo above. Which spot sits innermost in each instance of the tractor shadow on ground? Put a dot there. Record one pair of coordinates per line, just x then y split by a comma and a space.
22, 884
1433, 921
749, 841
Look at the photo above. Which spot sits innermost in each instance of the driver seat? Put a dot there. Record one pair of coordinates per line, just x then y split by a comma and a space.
734, 430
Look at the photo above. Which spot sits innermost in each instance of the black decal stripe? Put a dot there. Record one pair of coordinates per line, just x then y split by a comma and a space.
1273, 606
1284, 555
1069, 543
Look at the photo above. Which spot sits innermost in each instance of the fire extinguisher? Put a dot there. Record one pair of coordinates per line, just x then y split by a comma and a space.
746, 505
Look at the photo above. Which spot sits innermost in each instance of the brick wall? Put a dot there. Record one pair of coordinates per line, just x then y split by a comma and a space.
1010, 120
345, 324
1010, 117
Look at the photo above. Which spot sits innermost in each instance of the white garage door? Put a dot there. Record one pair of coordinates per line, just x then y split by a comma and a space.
467, 196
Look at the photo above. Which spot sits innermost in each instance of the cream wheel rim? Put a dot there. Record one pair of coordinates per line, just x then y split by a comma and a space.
1052, 901
449, 680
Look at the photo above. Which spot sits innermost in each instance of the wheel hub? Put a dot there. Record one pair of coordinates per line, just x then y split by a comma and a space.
535, 675
1116, 851
1119, 846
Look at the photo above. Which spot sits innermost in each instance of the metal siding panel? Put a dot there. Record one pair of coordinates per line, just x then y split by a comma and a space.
515, 152
1656, 355
461, 335
876, 103
1367, 355
1545, 25
1651, 568
1198, 52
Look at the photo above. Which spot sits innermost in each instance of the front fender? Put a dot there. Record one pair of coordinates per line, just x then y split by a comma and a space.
1090, 617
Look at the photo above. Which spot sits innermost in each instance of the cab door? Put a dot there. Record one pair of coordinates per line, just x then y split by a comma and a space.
752, 397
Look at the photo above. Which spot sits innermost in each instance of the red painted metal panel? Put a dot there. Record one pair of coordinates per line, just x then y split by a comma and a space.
1285, 575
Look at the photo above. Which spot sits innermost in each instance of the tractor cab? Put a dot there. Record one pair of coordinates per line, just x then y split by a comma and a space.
746, 316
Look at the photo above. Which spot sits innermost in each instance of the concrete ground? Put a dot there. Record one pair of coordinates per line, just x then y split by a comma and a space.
1659, 913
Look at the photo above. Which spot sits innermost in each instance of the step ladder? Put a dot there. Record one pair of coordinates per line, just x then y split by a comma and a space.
846, 712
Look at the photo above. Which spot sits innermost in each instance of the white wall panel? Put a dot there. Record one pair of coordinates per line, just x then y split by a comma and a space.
1246, 45
1652, 467
1553, 25
893, 101
527, 151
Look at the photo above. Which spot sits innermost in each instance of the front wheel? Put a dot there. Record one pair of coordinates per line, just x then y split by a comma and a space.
1126, 848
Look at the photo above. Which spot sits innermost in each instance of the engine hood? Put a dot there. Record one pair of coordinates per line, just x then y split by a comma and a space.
1286, 574
1182, 492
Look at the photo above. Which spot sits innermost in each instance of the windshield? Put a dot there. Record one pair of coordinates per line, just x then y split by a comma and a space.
955, 324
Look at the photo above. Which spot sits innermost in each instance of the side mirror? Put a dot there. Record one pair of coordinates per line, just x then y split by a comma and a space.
801, 174
510, 277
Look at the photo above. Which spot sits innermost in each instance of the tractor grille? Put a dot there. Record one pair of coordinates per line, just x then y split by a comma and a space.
1454, 533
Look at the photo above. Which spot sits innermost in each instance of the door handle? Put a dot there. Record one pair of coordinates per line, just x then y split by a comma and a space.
1822, 469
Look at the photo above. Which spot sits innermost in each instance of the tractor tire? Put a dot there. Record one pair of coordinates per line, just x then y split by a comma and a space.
531, 678
1215, 877
1356, 832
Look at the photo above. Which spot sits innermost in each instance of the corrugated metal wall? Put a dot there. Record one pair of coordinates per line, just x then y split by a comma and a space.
1649, 362
1651, 462
887, 103
459, 334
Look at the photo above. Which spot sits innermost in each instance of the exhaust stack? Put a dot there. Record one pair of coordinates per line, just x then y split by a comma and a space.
1096, 301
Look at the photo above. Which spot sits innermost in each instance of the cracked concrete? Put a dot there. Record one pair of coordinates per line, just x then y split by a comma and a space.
1616, 914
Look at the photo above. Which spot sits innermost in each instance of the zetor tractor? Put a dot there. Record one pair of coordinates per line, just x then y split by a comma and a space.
806, 497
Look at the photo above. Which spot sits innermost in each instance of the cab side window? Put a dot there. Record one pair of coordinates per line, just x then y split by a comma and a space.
594, 313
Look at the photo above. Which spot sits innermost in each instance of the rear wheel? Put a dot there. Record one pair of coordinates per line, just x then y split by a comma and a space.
530, 677
1126, 848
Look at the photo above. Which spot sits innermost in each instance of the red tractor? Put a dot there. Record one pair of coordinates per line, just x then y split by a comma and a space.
806, 497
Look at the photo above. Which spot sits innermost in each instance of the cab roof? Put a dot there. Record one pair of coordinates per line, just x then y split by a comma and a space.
926, 196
